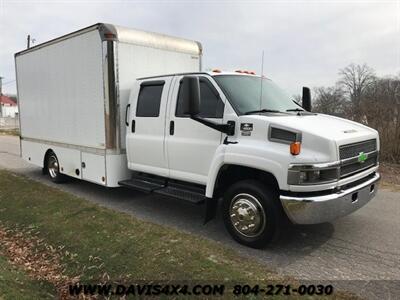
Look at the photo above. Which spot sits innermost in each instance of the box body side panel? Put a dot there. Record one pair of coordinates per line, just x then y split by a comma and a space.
61, 92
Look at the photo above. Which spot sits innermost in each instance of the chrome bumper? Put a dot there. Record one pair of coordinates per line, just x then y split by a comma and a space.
320, 209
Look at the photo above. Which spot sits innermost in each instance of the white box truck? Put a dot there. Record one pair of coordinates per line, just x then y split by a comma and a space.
97, 105
73, 92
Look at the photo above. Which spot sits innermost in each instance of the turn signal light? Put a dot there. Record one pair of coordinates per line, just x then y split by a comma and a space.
295, 148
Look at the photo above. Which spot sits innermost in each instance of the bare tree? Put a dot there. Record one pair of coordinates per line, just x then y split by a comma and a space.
355, 79
382, 112
362, 96
330, 100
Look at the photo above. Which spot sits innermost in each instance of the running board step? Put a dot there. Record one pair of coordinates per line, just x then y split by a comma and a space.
141, 185
182, 194
182, 191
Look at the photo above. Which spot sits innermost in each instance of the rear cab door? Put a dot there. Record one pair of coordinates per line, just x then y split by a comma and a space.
145, 139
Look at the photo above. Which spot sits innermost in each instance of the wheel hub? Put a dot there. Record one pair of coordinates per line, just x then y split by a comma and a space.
53, 166
247, 215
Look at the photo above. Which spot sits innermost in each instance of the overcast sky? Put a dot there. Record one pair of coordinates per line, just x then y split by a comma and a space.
305, 42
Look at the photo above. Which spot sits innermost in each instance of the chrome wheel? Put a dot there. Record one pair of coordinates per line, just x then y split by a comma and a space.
52, 166
247, 215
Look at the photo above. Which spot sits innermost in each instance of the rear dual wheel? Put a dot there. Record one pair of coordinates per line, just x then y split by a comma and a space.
53, 168
251, 213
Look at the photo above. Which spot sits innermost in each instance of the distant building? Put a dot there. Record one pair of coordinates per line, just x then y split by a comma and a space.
8, 108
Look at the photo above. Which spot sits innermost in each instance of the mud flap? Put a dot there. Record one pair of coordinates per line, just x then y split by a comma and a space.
210, 209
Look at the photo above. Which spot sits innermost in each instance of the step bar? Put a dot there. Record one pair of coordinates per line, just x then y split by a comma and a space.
171, 188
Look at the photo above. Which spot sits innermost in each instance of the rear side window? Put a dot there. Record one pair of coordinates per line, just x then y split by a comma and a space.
148, 104
211, 104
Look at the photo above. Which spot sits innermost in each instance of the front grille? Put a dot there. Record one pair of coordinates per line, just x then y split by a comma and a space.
353, 150
357, 182
353, 166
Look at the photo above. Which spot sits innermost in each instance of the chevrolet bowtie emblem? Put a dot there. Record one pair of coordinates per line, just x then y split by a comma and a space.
362, 157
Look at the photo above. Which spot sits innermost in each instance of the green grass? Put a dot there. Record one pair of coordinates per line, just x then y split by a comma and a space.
97, 241
15, 284
9, 132
123, 246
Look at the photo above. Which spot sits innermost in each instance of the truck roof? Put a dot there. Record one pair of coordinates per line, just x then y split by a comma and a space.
130, 36
210, 73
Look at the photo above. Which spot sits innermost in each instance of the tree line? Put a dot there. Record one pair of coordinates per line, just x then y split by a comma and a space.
360, 95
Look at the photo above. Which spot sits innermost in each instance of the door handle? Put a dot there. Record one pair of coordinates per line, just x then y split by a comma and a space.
133, 126
126, 114
171, 127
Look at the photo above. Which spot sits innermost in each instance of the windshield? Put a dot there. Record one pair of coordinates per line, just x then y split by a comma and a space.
244, 94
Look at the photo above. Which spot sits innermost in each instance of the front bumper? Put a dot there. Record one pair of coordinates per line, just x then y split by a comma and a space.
320, 209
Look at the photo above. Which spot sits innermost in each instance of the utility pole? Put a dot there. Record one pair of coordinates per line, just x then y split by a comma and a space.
29, 41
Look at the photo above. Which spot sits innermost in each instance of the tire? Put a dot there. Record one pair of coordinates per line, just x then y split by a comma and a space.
252, 213
53, 168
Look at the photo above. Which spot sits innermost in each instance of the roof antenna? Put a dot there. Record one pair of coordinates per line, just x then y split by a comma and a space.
261, 77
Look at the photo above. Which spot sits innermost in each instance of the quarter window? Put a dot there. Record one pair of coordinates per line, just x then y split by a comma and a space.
149, 99
211, 105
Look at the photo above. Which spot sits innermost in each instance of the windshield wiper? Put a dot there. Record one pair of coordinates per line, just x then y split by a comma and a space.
295, 109
264, 110
298, 110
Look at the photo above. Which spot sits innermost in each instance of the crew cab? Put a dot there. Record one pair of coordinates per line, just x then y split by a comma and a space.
239, 137
94, 105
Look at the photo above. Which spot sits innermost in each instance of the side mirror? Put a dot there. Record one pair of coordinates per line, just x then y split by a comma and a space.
191, 95
306, 99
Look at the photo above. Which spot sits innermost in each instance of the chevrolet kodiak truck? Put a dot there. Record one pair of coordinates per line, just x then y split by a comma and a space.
95, 105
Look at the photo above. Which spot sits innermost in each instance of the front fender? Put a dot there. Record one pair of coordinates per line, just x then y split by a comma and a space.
246, 156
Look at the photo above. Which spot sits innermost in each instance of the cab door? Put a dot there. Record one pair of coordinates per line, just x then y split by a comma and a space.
145, 139
191, 145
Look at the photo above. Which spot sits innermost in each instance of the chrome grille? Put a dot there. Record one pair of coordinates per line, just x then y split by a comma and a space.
352, 150
353, 168
349, 155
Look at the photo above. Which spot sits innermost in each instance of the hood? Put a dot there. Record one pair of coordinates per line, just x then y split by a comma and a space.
340, 130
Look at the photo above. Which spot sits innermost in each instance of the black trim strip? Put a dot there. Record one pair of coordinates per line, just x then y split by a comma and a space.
153, 82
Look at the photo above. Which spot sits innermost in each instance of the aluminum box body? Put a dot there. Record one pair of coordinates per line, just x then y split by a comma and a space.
73, 92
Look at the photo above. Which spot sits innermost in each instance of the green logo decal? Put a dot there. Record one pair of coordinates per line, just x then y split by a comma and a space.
362, 157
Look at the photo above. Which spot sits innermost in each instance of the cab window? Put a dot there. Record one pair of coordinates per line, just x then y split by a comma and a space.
148, 104
211, 105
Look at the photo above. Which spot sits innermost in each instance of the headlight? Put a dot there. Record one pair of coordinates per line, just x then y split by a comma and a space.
309, 174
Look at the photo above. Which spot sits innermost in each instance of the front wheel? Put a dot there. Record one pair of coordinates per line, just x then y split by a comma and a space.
251, 213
